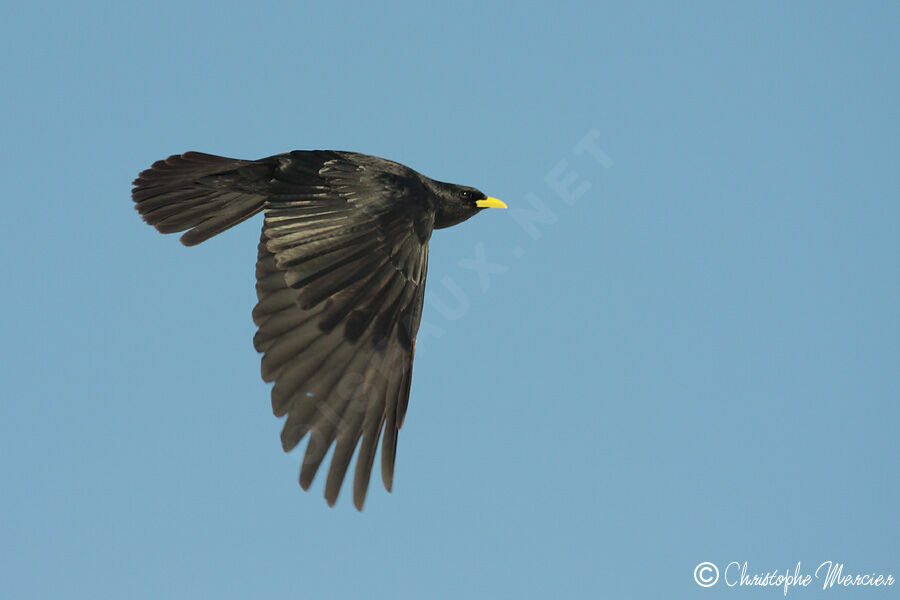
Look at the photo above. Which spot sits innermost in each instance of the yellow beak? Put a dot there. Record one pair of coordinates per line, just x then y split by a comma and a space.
490, 203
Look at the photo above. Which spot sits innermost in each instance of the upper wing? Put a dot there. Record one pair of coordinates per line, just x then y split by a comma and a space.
340, 280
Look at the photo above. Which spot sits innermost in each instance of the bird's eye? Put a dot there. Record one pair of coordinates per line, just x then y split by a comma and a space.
467, 195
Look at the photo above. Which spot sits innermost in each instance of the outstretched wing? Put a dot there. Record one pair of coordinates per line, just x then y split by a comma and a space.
340, 281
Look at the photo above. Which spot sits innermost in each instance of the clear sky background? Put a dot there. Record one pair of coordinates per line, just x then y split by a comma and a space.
695, 359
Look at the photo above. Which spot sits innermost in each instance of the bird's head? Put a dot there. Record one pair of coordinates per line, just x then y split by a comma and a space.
456, 203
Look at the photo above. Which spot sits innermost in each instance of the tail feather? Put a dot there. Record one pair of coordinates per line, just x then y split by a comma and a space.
201, 193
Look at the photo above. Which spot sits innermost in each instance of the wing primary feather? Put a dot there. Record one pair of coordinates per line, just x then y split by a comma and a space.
371, 432
389, 439
331, 410
348, 435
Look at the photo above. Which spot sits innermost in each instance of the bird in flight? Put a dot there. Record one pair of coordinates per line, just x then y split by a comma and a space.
340, 281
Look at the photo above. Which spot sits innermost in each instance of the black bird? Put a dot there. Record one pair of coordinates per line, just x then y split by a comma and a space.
340, 280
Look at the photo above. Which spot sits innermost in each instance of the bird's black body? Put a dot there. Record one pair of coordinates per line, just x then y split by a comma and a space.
340, 280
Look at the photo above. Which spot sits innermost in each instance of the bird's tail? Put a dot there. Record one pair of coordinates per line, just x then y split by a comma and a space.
202, 193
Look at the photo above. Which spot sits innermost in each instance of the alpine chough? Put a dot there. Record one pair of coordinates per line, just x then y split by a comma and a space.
340, 280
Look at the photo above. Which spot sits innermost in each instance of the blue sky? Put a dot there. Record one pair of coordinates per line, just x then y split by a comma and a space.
691, 356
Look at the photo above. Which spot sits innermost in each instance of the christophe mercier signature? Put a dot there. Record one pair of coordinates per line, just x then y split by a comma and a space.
829, 573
